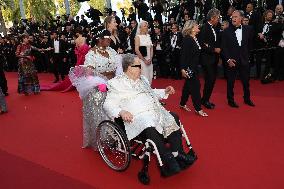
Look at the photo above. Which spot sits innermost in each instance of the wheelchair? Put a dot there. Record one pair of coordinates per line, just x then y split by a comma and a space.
117, 151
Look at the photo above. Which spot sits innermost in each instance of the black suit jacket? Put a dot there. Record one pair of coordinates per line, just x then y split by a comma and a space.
206, 36
255, 21
132, 38
232, 50
190, 54
63, 46
131, 17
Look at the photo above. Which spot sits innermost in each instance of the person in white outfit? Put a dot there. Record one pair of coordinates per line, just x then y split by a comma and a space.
144, 50
131, 97
101, 64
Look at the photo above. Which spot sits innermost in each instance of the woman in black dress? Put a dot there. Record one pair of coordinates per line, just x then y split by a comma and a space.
111, 26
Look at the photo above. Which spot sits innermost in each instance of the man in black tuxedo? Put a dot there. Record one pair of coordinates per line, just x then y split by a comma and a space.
279, 12
132, 14
254, 17
159, 43
208, 39
235, 45
133, 25
58, 55
70, 45
271, 4
175, 41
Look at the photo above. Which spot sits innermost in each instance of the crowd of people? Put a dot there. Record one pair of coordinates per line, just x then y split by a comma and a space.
94, 53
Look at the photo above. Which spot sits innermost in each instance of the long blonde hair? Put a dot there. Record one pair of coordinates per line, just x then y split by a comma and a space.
188, 27
107, 21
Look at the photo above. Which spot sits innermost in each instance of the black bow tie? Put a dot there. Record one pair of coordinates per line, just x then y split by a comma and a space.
238, 27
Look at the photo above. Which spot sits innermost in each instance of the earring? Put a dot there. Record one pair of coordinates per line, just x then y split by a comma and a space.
193, 30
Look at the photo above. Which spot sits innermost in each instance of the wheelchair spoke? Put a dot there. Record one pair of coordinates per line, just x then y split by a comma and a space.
112, 146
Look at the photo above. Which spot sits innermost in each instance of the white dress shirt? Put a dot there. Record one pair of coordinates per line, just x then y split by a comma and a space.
56, 46
239, 35
174, 40
265, 28
128, 44
214, 33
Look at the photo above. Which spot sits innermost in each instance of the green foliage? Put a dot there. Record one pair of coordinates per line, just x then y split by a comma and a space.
98, 4
37, 9
10, 11
73, 4
41, 9
5, 3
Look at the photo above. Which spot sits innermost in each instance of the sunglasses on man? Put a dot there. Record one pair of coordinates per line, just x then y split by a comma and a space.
136, 66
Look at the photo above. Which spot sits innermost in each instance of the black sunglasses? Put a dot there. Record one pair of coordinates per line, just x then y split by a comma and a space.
136, 66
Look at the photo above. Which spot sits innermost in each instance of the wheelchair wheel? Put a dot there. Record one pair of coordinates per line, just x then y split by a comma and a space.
113, 145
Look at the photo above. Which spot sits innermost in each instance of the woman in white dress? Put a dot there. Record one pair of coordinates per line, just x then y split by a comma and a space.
101, 64
144, 50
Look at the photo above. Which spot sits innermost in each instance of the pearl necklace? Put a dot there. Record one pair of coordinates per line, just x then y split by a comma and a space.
101, 50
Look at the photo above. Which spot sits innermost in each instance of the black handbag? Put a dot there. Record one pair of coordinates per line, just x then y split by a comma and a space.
143, 50
190, 73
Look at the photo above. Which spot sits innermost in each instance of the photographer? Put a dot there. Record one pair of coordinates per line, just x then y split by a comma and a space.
158, 10
132, 14
94, 14
83, 23
142, 9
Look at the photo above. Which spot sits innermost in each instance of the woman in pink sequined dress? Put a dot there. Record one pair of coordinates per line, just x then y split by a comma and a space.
81, 50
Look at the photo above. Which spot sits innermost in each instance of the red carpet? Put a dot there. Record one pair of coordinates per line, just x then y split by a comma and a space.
40, 143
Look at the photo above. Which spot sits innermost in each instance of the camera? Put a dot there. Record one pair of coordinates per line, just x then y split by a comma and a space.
94, 14
122, 11
108, 11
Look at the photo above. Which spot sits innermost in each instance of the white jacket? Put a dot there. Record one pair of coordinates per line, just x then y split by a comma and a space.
138, 98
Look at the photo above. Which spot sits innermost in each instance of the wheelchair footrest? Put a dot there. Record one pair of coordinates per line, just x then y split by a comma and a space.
137, 150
